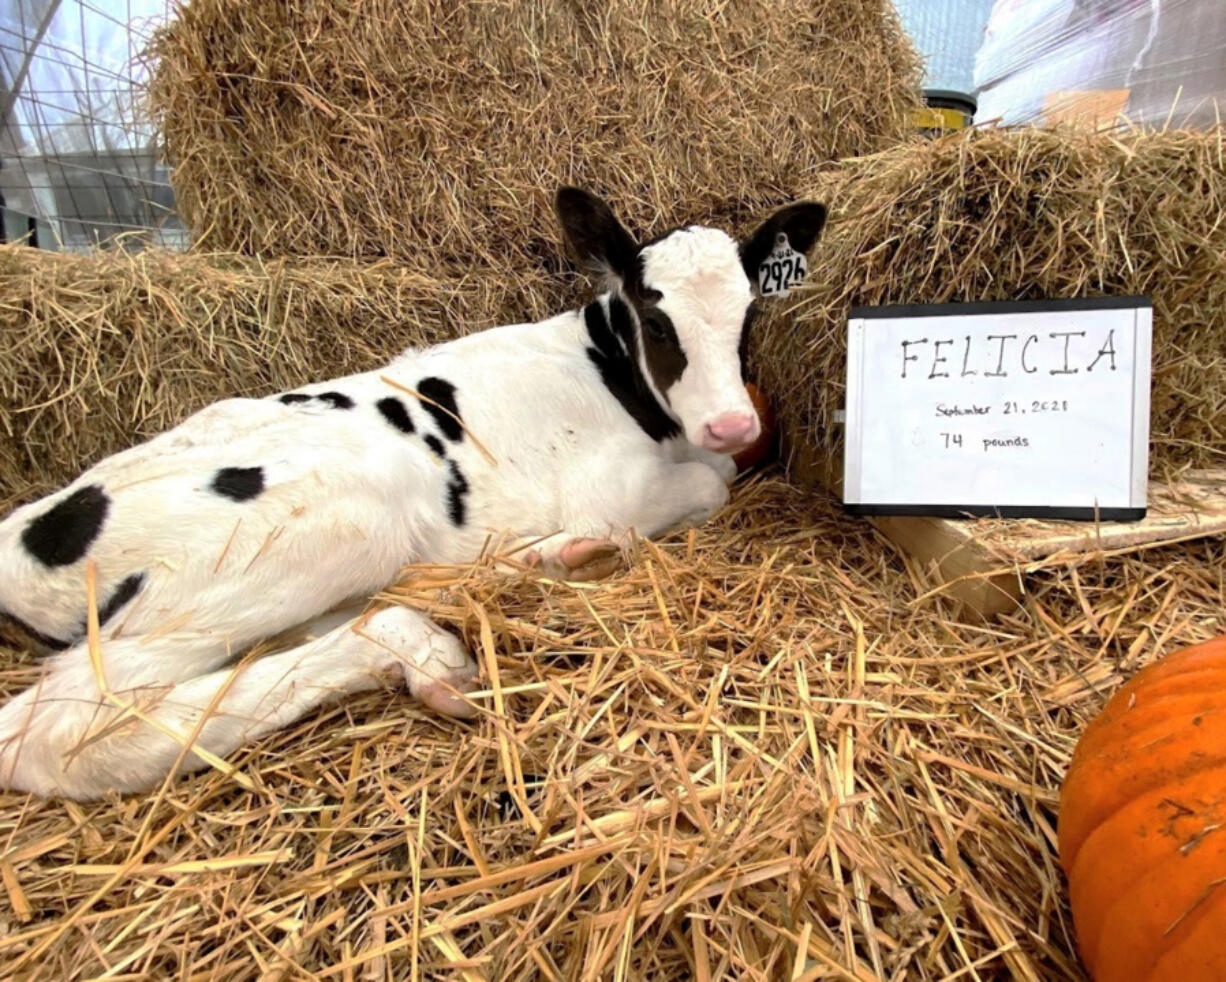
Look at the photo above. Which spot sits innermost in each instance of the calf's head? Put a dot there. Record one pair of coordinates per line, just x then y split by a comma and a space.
681, 306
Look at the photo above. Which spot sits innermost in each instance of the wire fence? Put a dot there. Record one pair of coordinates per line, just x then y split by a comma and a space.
79, 167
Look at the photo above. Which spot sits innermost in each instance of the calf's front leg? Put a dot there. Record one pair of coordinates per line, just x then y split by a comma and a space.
64, 736
722, 463
649, 501
683, 496
662, 497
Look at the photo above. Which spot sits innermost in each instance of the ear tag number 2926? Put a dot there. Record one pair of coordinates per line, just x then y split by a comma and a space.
783, 270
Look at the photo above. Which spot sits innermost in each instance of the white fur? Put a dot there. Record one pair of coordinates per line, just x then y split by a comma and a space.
348, 500
707, 309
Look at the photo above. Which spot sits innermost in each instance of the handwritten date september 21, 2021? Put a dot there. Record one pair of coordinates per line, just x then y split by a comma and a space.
1058, 353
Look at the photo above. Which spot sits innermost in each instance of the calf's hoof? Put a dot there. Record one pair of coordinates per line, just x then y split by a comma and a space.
590, 559
433, 663
578, 560
446, 696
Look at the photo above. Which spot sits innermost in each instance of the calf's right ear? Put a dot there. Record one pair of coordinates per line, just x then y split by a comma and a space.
594, 235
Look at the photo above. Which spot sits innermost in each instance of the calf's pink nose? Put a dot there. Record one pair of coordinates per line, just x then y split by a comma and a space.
730, 432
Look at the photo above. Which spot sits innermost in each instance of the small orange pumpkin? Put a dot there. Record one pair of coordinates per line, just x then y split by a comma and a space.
758, 451
1142, 829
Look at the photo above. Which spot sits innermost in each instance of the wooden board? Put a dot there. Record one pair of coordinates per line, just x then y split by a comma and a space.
982, 563
1191, 505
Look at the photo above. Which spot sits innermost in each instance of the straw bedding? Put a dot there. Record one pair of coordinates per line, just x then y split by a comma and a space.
435, 132
748, 757
1025, 214
99, 351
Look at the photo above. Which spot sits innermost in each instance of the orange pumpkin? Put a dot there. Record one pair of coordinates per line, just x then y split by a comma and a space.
1142, 828
757, 451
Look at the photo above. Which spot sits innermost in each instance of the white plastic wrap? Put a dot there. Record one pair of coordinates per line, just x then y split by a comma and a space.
1151, 62
947, 33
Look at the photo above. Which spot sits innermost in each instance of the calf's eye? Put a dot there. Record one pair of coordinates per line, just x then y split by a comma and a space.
654, 329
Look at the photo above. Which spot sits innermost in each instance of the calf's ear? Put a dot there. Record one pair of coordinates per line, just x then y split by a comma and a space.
594, 235
802, 224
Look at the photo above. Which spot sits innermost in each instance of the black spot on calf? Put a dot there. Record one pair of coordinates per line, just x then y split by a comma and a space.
662, 350
338, 399
457, 489
435, 445
238, 483
127, 589
44, 640
447, 413
611, 351
63, 534
396, 413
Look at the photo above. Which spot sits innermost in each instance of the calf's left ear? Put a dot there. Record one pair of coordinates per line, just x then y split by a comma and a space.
801, 222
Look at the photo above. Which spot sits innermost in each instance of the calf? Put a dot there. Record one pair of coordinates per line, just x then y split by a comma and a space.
255, 517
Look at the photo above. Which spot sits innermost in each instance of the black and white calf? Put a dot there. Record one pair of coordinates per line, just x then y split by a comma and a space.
256, 517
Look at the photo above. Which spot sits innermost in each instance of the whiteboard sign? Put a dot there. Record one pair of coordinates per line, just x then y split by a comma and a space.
1012, 409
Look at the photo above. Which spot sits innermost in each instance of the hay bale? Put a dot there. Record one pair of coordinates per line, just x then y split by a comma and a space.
436, 132
1022, 215
99, 351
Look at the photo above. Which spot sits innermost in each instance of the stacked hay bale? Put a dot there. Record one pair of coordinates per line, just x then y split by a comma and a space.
436, 132
102, 350
1020, 215
425, 138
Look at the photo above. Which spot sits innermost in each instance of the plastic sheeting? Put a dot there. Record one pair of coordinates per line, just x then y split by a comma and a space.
77, 167
947, 33
1150, 62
